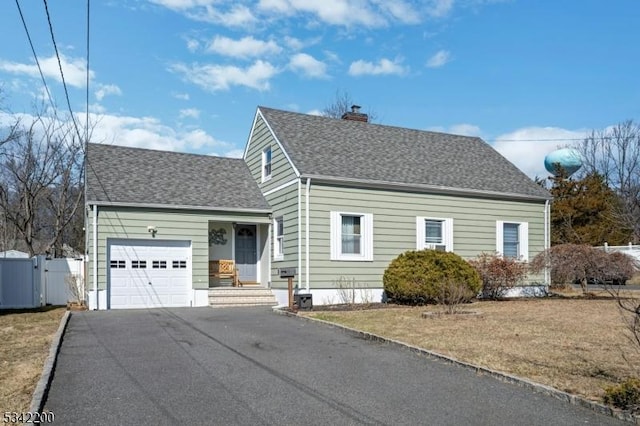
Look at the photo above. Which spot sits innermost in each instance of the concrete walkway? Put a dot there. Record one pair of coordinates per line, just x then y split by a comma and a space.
251, 366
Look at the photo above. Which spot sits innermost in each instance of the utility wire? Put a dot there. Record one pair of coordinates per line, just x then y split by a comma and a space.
35, 56
64, 84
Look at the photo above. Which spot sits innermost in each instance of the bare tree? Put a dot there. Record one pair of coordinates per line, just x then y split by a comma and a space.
41, 181
614, 153
342, 103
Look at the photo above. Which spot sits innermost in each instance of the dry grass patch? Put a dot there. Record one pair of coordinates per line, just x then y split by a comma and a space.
579, 346
26, 337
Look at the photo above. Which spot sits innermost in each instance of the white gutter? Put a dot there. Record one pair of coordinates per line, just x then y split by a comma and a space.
95, 255
306, 259
546, 240
299, 229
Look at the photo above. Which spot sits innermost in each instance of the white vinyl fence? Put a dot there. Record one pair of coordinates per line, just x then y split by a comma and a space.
29, 283
630, 249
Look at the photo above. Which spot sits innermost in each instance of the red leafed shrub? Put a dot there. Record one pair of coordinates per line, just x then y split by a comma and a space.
581, 263
498, 273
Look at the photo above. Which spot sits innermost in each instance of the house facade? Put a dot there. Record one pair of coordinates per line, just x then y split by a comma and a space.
156, 220
335, 199
349, 196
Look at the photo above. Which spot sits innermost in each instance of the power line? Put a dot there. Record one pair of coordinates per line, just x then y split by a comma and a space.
35, 56
64, 84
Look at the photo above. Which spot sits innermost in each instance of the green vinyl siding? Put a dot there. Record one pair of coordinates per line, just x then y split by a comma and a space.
286, 205
281, 169
394, 227
132, 223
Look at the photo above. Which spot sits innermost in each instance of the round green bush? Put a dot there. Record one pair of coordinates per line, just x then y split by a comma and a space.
417, 277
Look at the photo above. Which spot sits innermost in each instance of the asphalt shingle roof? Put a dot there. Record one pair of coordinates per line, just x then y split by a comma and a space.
351, 150
118, 174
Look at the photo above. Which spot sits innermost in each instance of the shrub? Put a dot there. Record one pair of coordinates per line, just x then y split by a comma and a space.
626, 395
581, 263
498, 273
418, 277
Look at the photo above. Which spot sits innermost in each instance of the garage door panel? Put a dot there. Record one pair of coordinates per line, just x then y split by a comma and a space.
146, 274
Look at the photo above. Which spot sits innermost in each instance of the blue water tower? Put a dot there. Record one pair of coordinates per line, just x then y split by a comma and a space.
567, 158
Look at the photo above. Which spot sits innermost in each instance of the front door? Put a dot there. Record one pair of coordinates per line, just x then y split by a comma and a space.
246, 252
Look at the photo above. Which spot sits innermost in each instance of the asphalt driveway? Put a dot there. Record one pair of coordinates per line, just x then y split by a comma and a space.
252, 366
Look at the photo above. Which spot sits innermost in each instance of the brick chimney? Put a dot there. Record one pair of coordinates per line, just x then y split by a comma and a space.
355, 115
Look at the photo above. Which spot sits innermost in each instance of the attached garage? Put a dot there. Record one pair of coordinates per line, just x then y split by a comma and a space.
148, 273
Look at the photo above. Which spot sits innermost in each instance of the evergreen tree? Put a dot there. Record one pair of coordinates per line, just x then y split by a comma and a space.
584, 212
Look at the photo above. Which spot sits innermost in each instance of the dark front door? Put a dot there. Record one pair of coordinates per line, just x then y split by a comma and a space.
246, 252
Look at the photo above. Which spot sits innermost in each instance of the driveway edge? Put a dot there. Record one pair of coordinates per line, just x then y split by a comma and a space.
519, 381
42, 387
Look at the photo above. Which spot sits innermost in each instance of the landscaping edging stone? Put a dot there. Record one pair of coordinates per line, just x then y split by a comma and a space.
508, 378
42, 387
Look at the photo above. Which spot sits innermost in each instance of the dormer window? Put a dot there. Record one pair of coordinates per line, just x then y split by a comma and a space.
266, 164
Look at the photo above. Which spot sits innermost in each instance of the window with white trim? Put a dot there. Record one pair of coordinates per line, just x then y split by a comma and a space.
266, 164
278, 238
434, 233
512, 239
351, 236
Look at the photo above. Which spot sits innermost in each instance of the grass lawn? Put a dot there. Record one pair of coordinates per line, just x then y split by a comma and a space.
26, 336
576, 345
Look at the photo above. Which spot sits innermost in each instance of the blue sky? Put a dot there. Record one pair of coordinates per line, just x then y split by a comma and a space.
187, 75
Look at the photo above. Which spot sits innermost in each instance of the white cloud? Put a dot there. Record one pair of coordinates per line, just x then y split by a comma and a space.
193, 45
75, 70
439, 59
527, 147
308, 65
181, 96
294, 43
183, 4
190, 113
315, 112
399, 10
465, 129
141, 132
335, 12
107, 89
222, 77
234, 153
332, 56
384, 66
149, 132
439, 8
246, 47
367, 13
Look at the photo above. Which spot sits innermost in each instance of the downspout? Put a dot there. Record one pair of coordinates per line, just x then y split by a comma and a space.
299, 229
95, 255
546, 241
306, 259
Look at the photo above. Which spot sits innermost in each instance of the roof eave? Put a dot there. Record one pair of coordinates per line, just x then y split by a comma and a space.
433, 189
179, 207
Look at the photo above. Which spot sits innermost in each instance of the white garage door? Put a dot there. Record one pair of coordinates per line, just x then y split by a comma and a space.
149, 274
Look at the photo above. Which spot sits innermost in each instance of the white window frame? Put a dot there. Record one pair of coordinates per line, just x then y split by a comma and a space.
366, 240
523, 238
266, 176
447, 232
278, 239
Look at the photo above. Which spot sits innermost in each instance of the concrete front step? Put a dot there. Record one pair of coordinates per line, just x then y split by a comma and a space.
241, 296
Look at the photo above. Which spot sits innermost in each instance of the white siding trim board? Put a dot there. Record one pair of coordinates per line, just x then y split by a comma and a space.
279, 188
